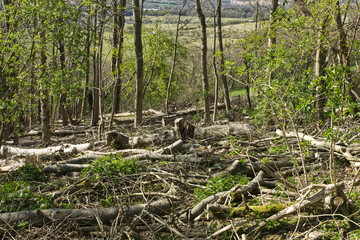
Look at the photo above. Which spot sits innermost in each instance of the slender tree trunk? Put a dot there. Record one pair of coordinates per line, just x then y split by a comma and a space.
257, 15
114, 57
139, 63
100, 70
216, 75
45, 99
204, 75
222, 59
319, 71
63, 97
272, 30
119, 19
87, 73
96, 102
171, 77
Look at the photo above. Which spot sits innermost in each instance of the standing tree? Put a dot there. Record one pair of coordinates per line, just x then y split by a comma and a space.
204, 73
222, 58
139, 63
118, 40
172, 71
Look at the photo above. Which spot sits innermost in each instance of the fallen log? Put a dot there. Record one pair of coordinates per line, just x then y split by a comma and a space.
89, 156
65, 148
59, 133
221, 131
152, 139
64, 168
85, 216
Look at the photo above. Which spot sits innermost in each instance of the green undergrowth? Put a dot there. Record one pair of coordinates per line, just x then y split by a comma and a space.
219, 184
20, 190
111, 165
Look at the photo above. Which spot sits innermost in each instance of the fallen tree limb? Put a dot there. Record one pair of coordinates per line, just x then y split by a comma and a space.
234, 224
247, 211
344, 151
248, 167
172, 158
323, 193
237, 191
85, 216
64, 168
199, 208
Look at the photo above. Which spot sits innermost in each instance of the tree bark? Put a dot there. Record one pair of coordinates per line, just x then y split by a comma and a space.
87, 73
139, 63
45, 108
216, 75
204, 75
96, 103
64, 115
222, 59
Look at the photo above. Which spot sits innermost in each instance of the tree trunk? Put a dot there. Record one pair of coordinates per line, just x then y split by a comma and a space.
272, 30
119, 20
45, 108
87, 73
173, 60
115, 52
222, 59
64, 116
100, 69
96, 103
204, 75
139, 63
216, 75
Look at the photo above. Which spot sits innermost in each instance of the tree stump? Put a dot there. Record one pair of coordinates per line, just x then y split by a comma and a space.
183, 129
117, 140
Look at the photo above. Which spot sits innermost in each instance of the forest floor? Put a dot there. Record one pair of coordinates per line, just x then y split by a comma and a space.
228, 181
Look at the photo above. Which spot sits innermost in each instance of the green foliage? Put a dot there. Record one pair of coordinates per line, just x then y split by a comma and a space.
111, 164
335, 229
219, 184
19, 195
29, 173
354, 235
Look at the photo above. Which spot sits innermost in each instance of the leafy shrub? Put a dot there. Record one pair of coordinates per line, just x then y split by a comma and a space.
111, 164
220, 184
